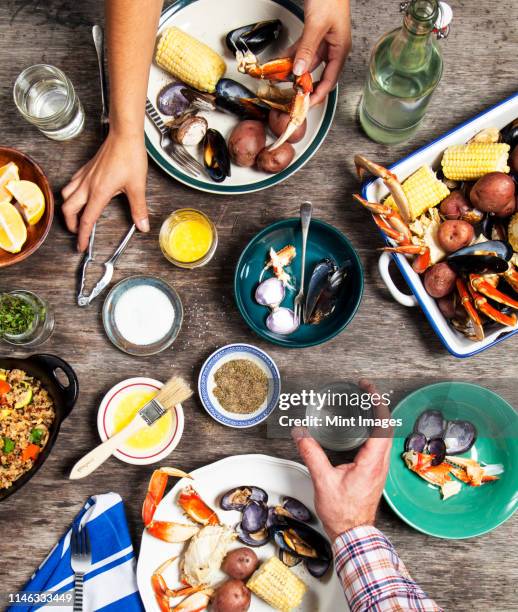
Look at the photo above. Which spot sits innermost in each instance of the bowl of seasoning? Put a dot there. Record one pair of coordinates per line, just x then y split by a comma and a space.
239, 385
188, 238
142, 315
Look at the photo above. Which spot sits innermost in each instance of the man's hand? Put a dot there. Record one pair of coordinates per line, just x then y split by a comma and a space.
119, 166
326, 38
347, 495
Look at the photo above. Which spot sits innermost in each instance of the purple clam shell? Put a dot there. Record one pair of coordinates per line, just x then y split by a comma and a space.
171, 101
254, 517
297, 509
431, 424
238, 497
459, 437
317, 567
437, 448
415, 442
253, 539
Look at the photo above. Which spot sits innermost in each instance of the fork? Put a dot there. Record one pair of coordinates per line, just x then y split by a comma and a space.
81, 560
305, 220
176, 152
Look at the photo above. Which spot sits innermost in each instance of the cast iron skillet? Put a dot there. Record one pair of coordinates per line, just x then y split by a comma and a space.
45, 368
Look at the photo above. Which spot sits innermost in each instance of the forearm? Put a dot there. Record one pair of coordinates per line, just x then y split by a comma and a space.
373, 576
131, 31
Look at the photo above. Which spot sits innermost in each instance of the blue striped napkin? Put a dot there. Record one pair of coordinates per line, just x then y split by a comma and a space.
111, 584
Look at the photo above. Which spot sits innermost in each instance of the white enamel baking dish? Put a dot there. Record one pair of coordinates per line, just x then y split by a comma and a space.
374, 190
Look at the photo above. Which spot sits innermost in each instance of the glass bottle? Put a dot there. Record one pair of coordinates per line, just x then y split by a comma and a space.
25, 318
404, 69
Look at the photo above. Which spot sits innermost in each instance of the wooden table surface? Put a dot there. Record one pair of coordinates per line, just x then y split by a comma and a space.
384, 340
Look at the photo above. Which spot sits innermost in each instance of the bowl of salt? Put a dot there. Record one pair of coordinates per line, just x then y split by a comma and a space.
142, 315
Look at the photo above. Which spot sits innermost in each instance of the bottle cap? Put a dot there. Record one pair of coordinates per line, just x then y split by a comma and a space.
442, 25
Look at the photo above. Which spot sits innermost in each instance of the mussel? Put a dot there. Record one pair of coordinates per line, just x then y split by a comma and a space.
297, 509
254, 37
174, 99
288, 559
259, 538
430, 423
238, 497
493, 228
254, 517
216, 158
237, 99
481, 258
510, 134
459, 437
324, 289
317, 567
300, 539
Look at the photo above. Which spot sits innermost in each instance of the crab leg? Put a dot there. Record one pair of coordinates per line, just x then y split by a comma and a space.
194, 603
163, 593
482, 285
196, 509
467, 302
490, 311
511, 276
475, 474
156, 489
391, 181
438, 475
299, 109
171, 532
391, 216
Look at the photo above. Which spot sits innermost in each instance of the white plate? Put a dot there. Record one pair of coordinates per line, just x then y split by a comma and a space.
206, 385
105, 417
277, 477
457, 344
209, 21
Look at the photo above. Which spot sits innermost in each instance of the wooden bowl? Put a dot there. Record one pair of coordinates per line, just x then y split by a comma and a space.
36, 234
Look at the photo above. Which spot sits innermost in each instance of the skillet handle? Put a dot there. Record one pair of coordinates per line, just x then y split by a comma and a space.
403, 298
70, 392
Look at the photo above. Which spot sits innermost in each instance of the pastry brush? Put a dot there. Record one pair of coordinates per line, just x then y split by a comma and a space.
175, 391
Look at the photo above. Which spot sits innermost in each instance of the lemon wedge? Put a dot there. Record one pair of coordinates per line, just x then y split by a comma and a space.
30, 198
9, 172
13, 232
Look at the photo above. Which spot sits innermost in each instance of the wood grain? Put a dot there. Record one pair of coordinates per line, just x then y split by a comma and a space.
384, 341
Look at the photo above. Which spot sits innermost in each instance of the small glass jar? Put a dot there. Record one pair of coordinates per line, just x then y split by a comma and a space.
45, 96
188, 238
39, 328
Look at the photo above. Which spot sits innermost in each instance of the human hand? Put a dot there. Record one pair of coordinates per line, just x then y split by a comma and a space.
119, 166
347, 495
326, 38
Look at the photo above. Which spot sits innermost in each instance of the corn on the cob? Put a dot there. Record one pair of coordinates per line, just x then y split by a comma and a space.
423, 191
277, 585
471, 161
189, 60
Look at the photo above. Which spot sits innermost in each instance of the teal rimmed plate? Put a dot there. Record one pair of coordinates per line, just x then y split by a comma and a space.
206, 20
324, 240
475, 510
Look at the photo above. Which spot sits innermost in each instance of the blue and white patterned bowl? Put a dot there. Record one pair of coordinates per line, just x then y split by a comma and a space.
206, 385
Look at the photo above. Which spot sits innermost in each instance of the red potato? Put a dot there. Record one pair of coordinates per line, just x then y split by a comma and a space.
509, 209
245, 142
493, 193
231, 596
454, 206
276, 160
454, 235
240, 563
277, 120
439, 280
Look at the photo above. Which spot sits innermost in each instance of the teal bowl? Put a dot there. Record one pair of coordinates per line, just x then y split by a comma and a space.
324, 240
474, 510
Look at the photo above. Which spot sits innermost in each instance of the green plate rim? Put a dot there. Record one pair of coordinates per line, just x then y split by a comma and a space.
386, 495
275, 179
261, 234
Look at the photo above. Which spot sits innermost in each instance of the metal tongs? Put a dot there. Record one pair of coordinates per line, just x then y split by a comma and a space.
109, 265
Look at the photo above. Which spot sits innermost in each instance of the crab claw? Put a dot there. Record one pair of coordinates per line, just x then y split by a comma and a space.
299, 108
195, 508
156, 489
469, 307
172, 532
364, 165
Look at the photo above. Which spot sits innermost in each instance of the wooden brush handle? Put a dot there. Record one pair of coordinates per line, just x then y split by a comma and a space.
92, 460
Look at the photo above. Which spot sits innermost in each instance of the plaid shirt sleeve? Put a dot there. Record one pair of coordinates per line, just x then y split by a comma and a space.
373, 576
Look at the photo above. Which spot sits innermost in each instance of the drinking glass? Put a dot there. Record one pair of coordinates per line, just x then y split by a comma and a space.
42, 324
45, 96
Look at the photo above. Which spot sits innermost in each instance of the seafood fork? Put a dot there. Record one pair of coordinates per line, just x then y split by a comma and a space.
305, 219
80, 560
176, 152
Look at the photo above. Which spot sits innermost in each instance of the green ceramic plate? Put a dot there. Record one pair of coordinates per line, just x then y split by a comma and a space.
475, 510
323, 241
